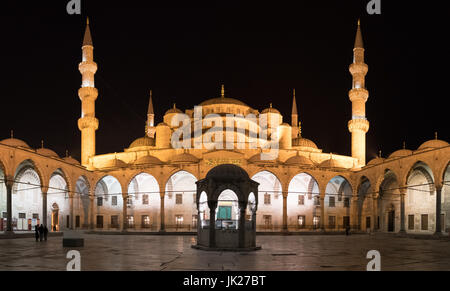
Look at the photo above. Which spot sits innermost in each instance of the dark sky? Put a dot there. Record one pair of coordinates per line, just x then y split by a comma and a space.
185, 50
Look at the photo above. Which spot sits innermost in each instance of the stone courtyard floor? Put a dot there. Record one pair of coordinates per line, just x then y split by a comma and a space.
171, 252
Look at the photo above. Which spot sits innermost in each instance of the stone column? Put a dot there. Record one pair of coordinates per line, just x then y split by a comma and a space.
354, 213
44, 207
322, 213
9, 181
402, 209
374, 212
438, 209
125, 212
285, 217
91, 212
212, 223
71, 226
162, 226
242, 209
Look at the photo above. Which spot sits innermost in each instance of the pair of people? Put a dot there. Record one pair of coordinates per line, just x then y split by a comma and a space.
40, 232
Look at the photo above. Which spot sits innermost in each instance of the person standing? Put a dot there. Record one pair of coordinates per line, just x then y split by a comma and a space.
36, 232
45, 232
41, 232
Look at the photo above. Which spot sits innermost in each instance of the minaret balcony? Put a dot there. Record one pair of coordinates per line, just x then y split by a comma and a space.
358, 94
358, 69
358, 125
86, 93
90, 67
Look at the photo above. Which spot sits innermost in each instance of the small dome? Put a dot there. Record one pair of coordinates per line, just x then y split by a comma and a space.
434, 143
227, 172
145, 160
331, 163
375, 161
115, 163
162, 124
270, 110
174, 110
299, 160
14, 142
71, 160
257, 159
304, 142
143, 142
400, 153
47, 153
184, 158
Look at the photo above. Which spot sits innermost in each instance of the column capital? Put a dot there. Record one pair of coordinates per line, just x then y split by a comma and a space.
403, 189
9, 181
438, 186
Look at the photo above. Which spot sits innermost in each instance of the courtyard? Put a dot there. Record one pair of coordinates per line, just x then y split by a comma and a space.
174, 253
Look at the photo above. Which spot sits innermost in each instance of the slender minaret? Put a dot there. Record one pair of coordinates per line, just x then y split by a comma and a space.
294, 117
358, 95
87, 124
150, 128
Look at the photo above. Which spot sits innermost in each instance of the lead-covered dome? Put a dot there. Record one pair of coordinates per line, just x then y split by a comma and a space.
375, 161
299, 160
47, 152
14, 142
400, 153
331, 163
115, 163
222, 100
142, 142
148, 160
434, 143
71, 161
304, 142
184, 158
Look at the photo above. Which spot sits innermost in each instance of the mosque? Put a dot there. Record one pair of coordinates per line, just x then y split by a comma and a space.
152, 185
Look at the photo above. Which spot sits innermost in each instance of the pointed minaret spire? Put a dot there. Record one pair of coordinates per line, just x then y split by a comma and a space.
359, 40
222, 92
294, 118
42, 143
150, 125
87, 40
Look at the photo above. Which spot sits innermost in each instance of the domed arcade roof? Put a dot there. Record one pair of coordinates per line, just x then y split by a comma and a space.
14, 142
47, 152
71, 160
434, 143
299, 160
184, 158
400, 153
145, 160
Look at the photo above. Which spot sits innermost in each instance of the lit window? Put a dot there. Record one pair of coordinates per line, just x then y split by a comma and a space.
178, 199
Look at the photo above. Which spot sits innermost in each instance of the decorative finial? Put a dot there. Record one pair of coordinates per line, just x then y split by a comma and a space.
67, 153
151, 93
435, 135
359, 21
379, 153
174, 105
404, 144
294, 92
222, 93
87, 20
12, 133
42, 143
270, 105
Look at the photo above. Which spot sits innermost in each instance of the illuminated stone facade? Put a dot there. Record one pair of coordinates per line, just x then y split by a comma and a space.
151, 185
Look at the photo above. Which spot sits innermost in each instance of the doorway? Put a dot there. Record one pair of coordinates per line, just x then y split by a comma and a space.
55, 217
391, 220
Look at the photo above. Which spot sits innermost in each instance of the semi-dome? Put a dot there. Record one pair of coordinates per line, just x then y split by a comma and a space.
184, 158
222, 100
114, 163
299, 160
14, 142
47, 152
434, 143
146, 160
143, 142
331, 163
71, 160
400, 153
304, 142
227, 172
375, 161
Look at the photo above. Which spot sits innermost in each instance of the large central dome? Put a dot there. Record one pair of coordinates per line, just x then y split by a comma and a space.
222, 100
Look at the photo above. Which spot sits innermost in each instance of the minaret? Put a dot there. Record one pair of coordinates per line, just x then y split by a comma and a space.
150, 128
294, 117
358, 95
87, 124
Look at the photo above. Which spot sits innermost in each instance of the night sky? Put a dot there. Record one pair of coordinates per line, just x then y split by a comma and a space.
184, 51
